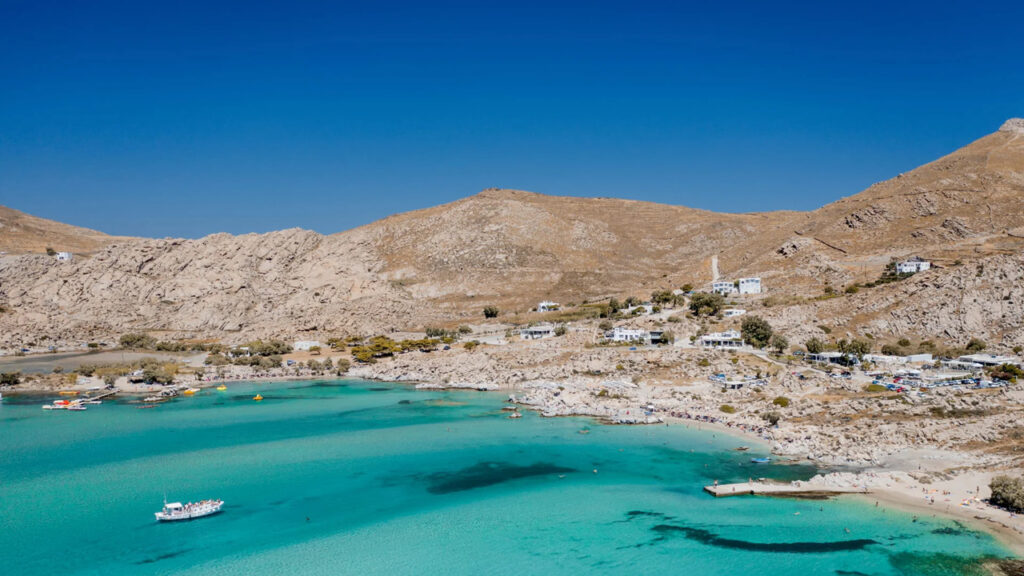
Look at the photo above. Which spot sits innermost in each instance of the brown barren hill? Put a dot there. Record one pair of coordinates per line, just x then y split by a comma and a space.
512, 248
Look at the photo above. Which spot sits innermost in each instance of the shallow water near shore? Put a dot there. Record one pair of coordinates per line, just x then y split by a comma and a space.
350, 477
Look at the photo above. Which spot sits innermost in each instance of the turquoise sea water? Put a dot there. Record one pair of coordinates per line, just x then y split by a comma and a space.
348, 477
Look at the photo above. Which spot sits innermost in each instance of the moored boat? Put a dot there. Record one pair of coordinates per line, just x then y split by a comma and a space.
178, 511
257, 397
760, 460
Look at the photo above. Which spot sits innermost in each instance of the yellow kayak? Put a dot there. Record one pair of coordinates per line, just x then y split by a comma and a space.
222, 387
257, 397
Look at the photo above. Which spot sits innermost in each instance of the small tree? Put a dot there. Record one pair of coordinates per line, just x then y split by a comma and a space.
50, 251
605, 325
10, 378
560, 330
706, 303
814, 346
1007, 493
855, 347
778, 343
314, 350
491, 311
756, 331
342, 365
686, 287
781, 401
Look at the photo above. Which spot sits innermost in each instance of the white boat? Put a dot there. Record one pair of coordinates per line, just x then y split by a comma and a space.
76, 407
178, 511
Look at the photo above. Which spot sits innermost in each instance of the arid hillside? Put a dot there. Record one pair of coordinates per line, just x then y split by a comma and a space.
513, 248
21, 233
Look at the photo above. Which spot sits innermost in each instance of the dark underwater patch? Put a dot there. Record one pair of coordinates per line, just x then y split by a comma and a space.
379, 389
851, 573
487, 474
712, 539
404, 402
940, 564
166, 556
958, 529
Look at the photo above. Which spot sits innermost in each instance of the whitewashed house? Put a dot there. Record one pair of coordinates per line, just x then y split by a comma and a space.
913, 266
750, 285
724, 287
537, 331
733, 312
619, 334
548, 306
306, 345
722, 340
64, 256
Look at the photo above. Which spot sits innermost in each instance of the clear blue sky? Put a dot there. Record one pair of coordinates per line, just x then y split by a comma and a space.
183, 119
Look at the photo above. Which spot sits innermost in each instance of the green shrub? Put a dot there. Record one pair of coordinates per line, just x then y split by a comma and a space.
781, 401
491, 311
891, 350
1007, 493
773, 418
138, 341
875, 388
703, 363
976, 345
10, 378
852, 289
727, 409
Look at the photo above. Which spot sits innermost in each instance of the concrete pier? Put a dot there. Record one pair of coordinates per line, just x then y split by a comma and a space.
796, 489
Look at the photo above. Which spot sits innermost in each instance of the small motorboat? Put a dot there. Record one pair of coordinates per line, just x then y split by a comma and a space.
515, 415
760, 460
190, 391
257, 397
76, 407
743, 448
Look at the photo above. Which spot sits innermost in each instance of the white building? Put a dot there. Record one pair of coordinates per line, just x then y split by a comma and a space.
911, 359
912, 266
537, 331
723, 287
732, 312
548, 306
306, 344
619, 334
727, 339
750, 285
990, 360
64, 256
